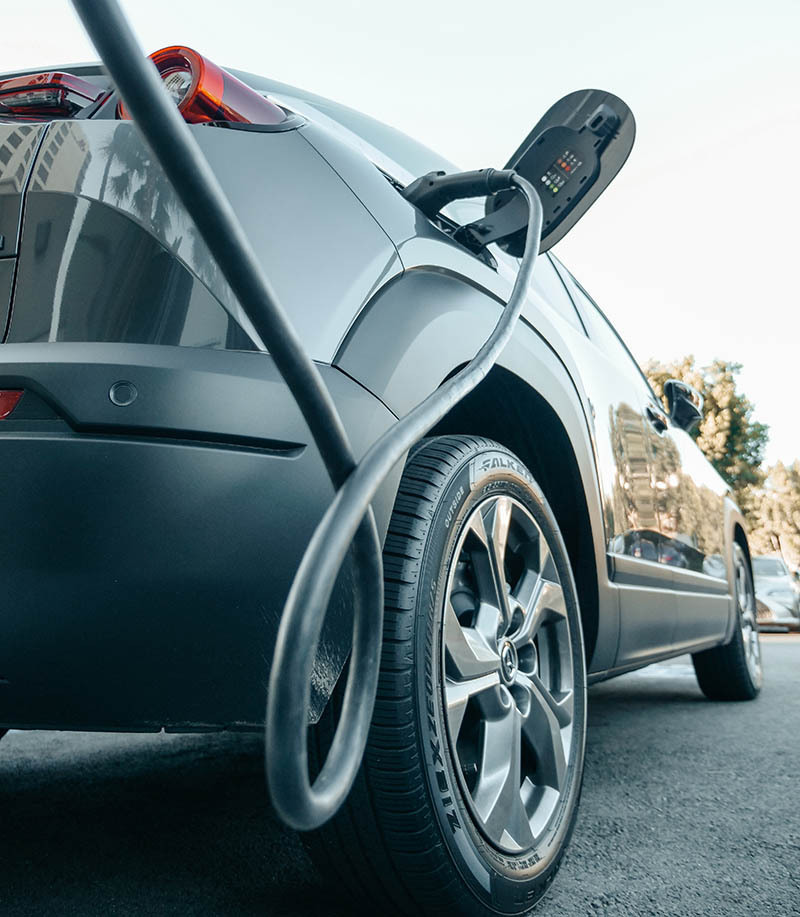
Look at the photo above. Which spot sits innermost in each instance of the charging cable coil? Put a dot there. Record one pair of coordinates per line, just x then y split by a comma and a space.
348, 520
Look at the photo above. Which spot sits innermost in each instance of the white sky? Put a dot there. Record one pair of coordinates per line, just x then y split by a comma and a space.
692, 249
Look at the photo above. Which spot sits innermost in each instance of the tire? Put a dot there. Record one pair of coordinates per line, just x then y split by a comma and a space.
420, 833
733, 671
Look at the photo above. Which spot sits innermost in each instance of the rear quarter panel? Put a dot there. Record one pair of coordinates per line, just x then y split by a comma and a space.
98, 203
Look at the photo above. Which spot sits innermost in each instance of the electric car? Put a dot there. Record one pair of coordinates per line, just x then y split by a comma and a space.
558, 527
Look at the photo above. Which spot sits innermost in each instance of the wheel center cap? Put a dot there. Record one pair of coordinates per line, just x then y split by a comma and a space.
508, 661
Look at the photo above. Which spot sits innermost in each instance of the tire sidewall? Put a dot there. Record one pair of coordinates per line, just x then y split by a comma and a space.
503, 883
754, 683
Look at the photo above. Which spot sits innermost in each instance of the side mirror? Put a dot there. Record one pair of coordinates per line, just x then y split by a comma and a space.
684, 403
571, 156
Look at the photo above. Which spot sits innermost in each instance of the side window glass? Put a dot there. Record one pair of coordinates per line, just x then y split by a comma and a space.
550, 287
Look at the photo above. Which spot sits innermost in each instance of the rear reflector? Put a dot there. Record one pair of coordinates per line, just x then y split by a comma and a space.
8, 401
205, 92
51, 95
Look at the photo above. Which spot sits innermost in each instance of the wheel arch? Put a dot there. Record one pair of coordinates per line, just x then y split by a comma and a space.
740, 536
506, 409
424, 326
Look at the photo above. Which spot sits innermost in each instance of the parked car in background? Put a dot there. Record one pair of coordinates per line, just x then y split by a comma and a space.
775, 585
775, 618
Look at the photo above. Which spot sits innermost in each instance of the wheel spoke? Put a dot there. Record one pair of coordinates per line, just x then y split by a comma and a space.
467, 655
457, 695
499, 522
547, 567
544, 599
562, 708
497, 796
488, 560
542, 727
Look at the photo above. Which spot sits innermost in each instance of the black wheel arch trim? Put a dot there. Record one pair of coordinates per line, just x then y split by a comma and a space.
387, 353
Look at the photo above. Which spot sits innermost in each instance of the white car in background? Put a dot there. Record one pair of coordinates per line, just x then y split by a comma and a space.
777, 588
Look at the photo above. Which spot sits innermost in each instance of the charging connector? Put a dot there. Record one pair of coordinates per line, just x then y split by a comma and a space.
432, 192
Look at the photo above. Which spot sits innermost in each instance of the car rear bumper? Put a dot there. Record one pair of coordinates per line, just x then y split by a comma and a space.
149, 546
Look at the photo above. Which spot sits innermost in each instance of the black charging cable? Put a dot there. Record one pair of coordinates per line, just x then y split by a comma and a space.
349, 519
298, 802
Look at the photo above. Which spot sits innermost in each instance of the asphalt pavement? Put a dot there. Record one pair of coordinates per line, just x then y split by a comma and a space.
689, 808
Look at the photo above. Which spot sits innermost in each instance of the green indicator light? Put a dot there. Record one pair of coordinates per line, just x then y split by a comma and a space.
555, 190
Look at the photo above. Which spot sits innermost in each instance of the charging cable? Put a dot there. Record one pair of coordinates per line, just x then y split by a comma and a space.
348, 520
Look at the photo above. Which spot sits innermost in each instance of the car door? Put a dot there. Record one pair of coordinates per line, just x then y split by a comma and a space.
690, 506
621, 410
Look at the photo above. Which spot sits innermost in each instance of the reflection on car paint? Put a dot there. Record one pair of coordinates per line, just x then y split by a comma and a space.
102, 176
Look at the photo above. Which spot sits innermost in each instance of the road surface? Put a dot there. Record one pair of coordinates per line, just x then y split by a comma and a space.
689, 808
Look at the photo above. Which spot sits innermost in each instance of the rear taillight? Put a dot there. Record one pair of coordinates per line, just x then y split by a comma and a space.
49, 95
8, 401
205, 92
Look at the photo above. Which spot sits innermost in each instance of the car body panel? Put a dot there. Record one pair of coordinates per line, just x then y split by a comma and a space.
18, 146
433, 319
425, 325
155, 540
154, 543
7, 268
324, 261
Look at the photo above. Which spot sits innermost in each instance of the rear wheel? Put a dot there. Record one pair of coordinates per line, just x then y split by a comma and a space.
471, 779
733, 671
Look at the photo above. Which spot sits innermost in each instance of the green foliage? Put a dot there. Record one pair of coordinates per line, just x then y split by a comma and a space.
734, 443
728, 435
775, 516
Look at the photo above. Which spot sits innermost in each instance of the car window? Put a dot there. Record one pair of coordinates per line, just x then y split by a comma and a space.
548, 284
769, 566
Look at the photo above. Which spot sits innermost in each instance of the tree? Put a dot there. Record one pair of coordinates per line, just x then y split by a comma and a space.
728, 435
775, 519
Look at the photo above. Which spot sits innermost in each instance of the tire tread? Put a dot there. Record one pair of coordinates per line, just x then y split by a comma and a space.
398, 859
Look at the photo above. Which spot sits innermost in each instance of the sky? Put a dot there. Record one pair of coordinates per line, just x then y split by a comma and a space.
692, 249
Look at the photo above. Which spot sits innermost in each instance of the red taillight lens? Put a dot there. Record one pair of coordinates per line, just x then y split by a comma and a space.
8, 401
46, 94
205, 92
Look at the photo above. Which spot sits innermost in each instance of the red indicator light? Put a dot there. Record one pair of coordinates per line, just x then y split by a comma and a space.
8, 401
567, 168
49, 94
205, 92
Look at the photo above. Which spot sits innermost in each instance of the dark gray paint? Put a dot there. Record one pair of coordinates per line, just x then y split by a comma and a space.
324, 252
18, 144
155, 542
426, 324
148, 568
70, 284
7, 266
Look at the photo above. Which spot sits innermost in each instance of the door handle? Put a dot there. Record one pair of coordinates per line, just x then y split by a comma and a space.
658, 420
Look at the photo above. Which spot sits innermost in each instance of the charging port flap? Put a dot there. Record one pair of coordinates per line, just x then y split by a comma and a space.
570, 157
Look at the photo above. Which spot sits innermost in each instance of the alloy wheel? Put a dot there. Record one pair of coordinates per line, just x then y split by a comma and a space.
508, 673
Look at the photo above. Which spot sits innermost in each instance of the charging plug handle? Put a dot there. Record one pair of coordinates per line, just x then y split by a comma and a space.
431, 192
